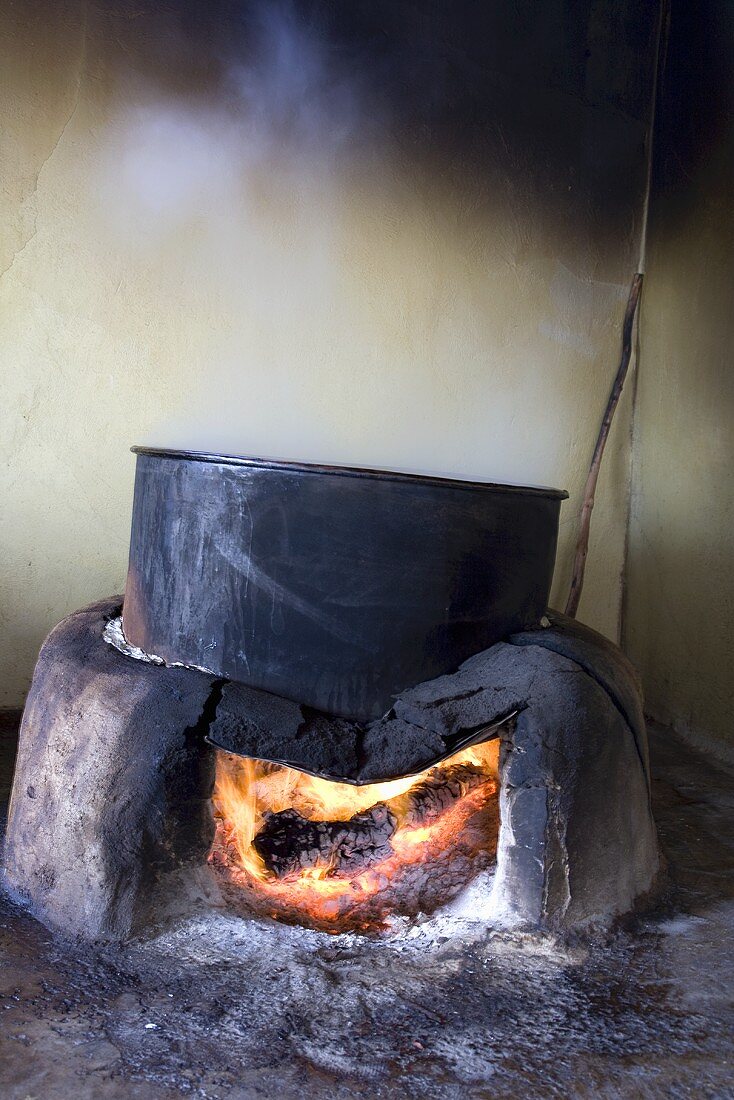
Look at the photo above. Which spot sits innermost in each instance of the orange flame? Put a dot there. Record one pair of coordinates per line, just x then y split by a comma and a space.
247, 790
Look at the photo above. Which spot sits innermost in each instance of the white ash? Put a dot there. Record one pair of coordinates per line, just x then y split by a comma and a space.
345, 1003
213, 933
114, 635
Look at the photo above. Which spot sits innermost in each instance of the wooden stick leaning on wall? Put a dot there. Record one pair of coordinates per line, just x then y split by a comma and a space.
582, 544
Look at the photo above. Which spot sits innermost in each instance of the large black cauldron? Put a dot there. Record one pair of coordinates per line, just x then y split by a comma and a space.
332, 586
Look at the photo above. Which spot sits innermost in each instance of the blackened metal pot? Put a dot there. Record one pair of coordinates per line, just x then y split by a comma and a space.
332, 586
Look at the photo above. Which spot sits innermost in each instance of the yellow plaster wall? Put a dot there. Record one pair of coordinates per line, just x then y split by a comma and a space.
463, 317
679, 606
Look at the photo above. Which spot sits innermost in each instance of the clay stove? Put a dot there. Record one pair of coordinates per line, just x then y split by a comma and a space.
331, 697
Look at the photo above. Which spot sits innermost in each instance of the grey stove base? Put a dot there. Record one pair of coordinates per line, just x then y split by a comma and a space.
110, 808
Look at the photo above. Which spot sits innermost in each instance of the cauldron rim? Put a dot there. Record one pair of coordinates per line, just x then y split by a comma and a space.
348, 471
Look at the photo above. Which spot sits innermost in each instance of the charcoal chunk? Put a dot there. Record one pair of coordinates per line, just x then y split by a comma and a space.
289, 843
438, 792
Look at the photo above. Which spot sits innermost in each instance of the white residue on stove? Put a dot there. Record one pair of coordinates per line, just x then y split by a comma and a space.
114, 635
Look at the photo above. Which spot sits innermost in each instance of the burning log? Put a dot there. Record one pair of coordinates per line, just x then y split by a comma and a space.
429, 800
289, 843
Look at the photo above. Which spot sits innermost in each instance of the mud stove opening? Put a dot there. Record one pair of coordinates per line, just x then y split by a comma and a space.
341, 857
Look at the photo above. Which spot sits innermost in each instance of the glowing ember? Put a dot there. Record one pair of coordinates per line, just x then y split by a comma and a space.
336, 856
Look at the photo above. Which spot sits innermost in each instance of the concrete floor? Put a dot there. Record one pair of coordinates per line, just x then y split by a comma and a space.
231, 1009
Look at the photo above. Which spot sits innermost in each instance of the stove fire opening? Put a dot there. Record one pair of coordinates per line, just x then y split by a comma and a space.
338, 857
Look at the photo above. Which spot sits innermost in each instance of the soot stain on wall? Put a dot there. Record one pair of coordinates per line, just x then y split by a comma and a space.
551, 91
